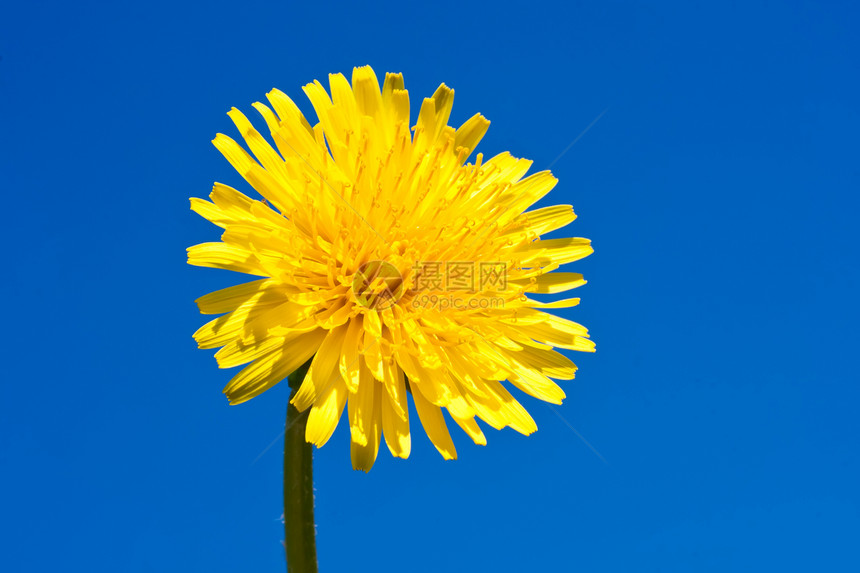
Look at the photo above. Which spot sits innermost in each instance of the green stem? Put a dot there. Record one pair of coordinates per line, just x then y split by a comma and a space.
299, 528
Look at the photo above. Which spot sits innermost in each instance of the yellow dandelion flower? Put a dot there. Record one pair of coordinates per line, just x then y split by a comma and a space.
391, 264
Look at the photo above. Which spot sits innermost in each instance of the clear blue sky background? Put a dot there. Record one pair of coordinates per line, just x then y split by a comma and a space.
720, 190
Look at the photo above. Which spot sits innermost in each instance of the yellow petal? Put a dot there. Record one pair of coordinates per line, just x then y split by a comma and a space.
349, 360
433, 386
237, 352
434, 424
228, 257
470, 426
225, 328
395, 384
286, 109
564, 303
365, 422
443, 99
499, 409
368, 97
551, 283
470, 133
558, 251
230, 298
261, 149
373, 357
267, 371
395, 427
547, 219
323, 372
360, 406
260, 179
536, 384
325, 413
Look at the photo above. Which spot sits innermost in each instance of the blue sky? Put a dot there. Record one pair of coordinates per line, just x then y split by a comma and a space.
720, 189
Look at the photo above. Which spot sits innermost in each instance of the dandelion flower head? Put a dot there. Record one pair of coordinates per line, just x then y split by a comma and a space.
394, 264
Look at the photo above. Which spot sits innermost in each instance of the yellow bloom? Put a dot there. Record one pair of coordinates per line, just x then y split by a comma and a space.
393, 263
